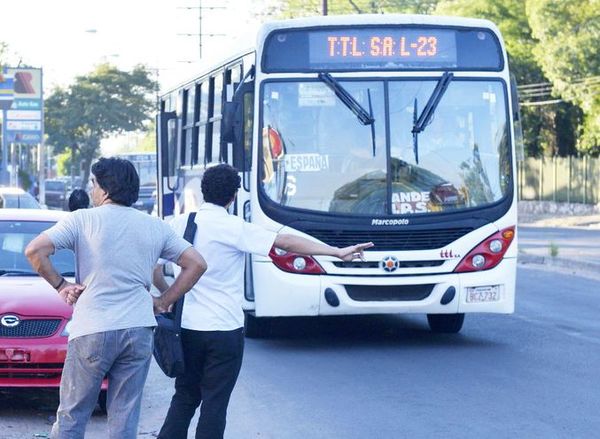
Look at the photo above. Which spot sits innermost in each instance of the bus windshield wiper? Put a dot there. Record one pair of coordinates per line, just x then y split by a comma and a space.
419, 123
364, 117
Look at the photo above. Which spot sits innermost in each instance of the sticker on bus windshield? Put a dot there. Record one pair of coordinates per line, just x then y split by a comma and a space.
306, 162
315, 95
410, 202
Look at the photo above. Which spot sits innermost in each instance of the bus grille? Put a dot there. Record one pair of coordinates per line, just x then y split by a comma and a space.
381, 293
31, 328
392, 240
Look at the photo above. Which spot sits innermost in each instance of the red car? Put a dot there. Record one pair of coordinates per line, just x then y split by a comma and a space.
33, 318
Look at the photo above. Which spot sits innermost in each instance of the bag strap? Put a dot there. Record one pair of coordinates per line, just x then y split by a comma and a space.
188, 235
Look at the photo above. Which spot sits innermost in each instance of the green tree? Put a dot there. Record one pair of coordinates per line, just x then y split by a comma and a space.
301, 8
549, 129
107, 101
148, 142
568, 32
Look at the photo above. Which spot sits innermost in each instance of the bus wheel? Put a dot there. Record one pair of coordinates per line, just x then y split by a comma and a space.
102, 401
445, 323
257, 327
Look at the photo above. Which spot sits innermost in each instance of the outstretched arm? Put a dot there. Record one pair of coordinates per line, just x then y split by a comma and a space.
302, 246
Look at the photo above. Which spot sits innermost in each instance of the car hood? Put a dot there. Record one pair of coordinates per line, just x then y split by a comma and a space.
31, 296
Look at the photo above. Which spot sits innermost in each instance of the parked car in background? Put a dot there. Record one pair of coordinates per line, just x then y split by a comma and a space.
146, 198
34, 320
17, 198
57, 194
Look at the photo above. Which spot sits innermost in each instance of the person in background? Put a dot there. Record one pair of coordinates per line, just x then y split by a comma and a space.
116, 248
78, 199
213, 319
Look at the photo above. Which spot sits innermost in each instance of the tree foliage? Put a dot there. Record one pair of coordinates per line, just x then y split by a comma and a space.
547, 41
301, 8
107, 101
567, 34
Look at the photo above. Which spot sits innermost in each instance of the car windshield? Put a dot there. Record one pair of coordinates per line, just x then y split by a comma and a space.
18, 201
316, 155
14, 237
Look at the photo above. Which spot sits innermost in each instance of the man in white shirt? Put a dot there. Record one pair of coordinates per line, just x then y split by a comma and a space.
213, 319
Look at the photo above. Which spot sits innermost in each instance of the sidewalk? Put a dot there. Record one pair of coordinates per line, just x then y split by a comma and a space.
560, 235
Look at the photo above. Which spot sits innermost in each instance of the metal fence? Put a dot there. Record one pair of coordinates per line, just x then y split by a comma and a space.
561, 179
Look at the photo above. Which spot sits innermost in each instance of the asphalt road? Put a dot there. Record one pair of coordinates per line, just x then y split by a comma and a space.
531, 374
575, 244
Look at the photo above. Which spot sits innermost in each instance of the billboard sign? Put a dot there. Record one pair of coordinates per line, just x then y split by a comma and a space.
6, 91
23, 118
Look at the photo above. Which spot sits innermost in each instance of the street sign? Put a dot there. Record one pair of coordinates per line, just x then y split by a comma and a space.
23, 119
24, 125
6, 91
24, 114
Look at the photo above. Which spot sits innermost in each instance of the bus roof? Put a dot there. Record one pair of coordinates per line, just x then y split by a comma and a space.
329, 20
377, 19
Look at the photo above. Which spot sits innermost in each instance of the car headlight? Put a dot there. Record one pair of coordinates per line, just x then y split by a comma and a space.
65, 332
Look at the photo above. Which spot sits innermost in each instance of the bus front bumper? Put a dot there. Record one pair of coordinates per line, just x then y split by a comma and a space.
278, 293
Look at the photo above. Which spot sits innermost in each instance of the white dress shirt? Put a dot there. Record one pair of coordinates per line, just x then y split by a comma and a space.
215, 302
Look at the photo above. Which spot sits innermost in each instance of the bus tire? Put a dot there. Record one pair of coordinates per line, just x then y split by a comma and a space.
445, 323
256, 327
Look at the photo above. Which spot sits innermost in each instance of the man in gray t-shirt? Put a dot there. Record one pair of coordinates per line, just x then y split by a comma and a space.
116, 248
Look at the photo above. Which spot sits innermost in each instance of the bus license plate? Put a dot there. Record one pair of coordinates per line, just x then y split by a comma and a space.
483, 294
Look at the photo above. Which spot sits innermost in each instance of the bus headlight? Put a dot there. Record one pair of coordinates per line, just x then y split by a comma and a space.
294, 263
299, 263
280, 252
478, 261
488, 253
496, 246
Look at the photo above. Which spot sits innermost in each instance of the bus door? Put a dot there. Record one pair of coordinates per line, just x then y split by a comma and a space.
238, 123
167, 135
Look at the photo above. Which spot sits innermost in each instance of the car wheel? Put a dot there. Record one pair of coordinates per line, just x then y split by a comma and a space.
446, 323
257, 327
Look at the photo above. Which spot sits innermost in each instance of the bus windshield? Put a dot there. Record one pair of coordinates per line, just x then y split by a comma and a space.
316, 156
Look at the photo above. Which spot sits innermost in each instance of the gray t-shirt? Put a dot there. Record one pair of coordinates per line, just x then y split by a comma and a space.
116, 248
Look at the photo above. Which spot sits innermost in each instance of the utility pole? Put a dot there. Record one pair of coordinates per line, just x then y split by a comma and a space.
200, 34
324, 6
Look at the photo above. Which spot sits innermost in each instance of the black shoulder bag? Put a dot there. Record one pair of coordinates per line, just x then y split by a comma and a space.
168, 350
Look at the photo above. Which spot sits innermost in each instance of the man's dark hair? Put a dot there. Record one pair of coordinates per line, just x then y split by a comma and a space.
118, 178
78, 199
219, 184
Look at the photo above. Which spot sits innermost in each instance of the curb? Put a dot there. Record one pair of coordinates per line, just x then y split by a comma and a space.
524, 258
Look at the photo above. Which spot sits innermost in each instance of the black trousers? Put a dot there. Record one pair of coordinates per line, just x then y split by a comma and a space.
212, 364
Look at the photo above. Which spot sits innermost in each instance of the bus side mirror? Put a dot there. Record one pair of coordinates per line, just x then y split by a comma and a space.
232, 124
519, 140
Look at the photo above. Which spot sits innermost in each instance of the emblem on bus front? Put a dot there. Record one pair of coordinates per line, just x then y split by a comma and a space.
389, 264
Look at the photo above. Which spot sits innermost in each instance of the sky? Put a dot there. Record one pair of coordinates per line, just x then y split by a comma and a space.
69, 37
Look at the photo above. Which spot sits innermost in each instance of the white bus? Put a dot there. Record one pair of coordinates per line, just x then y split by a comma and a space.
395, 129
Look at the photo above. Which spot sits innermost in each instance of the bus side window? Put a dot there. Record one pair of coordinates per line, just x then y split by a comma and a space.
248, 126
215, 120
202, 122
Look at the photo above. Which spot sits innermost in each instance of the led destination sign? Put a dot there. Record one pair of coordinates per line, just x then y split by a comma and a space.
395, 45
401, 47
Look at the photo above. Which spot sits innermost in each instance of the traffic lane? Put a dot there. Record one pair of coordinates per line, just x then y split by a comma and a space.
574, 243
530, 374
